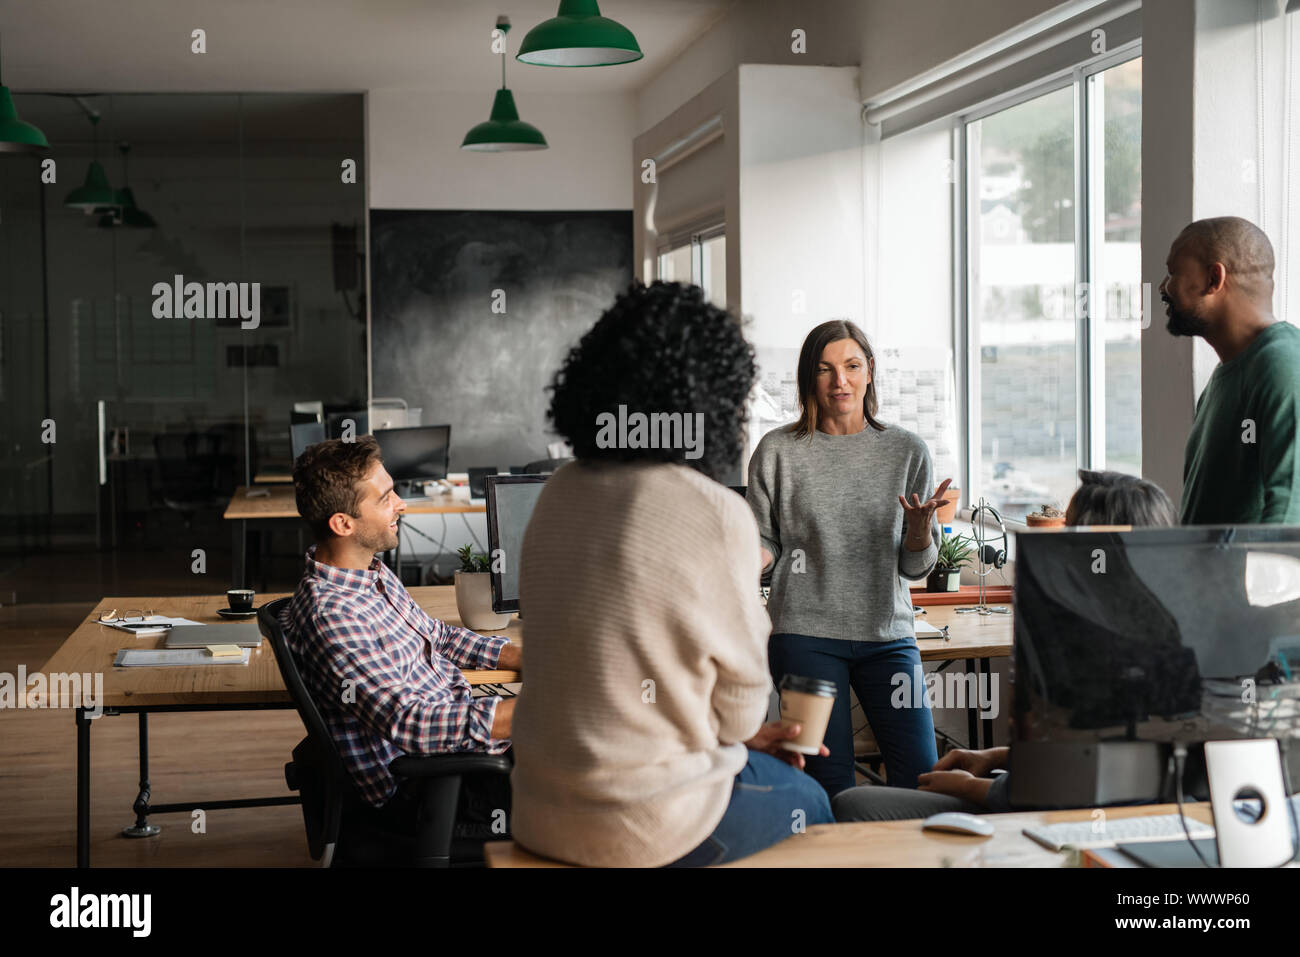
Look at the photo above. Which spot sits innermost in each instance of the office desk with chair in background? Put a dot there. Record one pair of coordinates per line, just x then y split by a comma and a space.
92, 647
256, 686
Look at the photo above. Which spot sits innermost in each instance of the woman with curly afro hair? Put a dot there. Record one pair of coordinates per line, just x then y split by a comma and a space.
639, 737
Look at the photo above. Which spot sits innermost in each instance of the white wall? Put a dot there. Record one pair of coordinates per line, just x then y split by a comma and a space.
802, 259
909, 189
756, 31
904, 38
801, 198
415, 161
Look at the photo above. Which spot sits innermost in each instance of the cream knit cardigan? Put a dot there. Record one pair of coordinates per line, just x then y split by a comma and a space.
644, 663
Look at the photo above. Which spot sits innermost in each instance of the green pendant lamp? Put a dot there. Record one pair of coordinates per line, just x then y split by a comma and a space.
504, 131
127, 213
15, 135
579, 36
95, 193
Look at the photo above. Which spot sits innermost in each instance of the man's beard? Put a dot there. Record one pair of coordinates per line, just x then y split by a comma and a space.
1185, 323
380, 542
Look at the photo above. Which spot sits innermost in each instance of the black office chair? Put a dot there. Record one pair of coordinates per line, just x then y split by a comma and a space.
190, 469
342, 829
544, 466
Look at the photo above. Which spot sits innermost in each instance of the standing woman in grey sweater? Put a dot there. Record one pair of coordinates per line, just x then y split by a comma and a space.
845, 506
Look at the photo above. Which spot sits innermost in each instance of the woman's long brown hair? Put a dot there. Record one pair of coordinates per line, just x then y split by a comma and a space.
810, 357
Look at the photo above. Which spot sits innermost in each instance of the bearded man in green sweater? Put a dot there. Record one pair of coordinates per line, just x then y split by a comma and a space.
1241, 465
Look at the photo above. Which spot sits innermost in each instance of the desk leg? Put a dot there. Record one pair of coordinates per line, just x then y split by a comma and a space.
142, 827
83, 788
986, 669
972, 709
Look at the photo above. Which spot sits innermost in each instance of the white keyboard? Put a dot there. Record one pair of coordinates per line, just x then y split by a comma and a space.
1124, 830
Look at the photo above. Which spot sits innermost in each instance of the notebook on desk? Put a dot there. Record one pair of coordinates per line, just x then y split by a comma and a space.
242, 633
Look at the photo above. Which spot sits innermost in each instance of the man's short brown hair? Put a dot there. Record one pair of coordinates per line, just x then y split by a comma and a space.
327, 479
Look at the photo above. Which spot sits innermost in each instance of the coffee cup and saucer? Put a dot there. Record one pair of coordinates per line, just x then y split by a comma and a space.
241, 604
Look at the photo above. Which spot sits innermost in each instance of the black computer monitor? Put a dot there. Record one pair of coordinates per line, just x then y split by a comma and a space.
510, 501
415, 454
303, 434
1129, 642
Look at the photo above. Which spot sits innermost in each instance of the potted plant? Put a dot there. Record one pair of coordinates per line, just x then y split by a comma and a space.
1047, 516
474, 593
954, 552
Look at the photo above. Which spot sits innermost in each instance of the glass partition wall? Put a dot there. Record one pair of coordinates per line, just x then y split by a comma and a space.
151, 352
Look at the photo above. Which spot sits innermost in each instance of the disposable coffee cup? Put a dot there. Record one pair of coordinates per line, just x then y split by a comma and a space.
806, 702
240, 599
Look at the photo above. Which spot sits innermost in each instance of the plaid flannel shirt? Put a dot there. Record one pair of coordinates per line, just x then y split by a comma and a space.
385, 676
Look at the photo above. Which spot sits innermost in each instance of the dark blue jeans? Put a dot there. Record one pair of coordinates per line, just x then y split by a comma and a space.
905, 735
769, 801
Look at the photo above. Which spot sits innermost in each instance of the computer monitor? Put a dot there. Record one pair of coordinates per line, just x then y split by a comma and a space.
415, 454
303, 434
1129, 642
335, 422
510, 501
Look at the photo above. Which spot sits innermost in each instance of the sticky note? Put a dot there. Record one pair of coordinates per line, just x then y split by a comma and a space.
225, 651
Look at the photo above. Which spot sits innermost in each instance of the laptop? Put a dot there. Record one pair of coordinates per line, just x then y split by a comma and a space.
242, 633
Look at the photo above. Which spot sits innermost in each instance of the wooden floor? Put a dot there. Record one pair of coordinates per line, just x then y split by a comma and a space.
193, 758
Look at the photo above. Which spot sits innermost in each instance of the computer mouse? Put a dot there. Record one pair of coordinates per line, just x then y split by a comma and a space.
957, 822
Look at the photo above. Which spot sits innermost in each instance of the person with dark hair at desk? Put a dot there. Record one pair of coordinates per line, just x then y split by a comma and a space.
975, 781
639, 737
1242, 465
385, 676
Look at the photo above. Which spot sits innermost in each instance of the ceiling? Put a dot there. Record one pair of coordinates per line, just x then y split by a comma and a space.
206, 121
82, 46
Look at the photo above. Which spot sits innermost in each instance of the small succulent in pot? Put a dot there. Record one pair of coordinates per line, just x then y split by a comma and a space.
474, 592
1047, 516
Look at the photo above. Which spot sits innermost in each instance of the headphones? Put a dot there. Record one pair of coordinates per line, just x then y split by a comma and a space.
990, 556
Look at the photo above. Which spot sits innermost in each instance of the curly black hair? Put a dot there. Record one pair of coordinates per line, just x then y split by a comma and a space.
660, 349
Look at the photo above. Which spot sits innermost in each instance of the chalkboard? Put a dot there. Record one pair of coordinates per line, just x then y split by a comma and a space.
436, 341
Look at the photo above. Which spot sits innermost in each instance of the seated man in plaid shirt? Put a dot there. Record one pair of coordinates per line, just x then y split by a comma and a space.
385, 676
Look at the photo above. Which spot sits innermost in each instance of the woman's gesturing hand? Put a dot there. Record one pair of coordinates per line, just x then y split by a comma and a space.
916, 518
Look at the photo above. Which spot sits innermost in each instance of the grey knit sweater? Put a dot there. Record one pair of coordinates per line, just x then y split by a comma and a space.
827, 508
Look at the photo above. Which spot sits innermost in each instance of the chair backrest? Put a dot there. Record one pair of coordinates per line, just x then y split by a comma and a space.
544, 466
334, 774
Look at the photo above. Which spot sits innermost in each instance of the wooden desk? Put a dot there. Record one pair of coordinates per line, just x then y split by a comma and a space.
91, 648
275, 503
901, 844
975, 639
273, 478
904, 844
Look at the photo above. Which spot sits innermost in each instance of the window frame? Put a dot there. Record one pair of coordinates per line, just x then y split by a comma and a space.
698, 237
1090, 413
